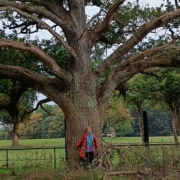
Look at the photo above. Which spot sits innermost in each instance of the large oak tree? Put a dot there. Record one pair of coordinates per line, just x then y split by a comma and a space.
81, 92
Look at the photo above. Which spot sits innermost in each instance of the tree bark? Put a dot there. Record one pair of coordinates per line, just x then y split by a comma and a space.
174, 126
15, 139
81, 110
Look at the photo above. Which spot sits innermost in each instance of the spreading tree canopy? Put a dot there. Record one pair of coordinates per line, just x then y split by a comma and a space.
82, 92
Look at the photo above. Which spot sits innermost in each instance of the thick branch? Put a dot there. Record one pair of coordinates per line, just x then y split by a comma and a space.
151, 72
26, 76
160, 60
55, 69
115, 79
102, 27
135, 39
143, 55
16, 94
78, 16
59, 18
52, 6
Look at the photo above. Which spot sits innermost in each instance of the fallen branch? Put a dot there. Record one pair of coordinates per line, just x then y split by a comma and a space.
127, 173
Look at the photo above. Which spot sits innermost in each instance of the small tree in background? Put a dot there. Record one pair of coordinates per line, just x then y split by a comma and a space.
118, 118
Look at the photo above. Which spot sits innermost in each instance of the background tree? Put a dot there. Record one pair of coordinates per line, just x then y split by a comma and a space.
118, 118
136, 100
162, 92
80, 91
15, 99
168, 95
44, 125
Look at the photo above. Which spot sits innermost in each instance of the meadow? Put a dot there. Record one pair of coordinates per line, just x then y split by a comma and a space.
32, 159
40, 151
61, 141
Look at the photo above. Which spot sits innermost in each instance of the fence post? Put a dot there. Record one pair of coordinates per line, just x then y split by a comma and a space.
7, 158
145, 124
54, 158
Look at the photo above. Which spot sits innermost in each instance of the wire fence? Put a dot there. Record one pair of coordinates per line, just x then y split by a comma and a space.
157, 125
32, 157
155, 155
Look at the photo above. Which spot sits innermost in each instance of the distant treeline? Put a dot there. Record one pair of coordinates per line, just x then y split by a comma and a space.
42, 126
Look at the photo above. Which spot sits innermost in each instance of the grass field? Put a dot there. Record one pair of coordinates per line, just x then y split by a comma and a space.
61, 141
30, 156
21, 161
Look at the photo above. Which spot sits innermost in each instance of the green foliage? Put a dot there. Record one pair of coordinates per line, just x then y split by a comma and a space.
42, 125
163, 92
119, 117
135, 98
4, 135
29, 60
10, 89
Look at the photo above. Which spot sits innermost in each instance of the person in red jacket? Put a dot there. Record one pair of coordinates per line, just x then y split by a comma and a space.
89, 144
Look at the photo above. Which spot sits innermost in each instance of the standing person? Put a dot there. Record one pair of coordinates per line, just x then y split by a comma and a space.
89, 144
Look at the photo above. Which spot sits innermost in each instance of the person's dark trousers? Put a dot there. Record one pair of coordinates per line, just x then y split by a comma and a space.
89, 157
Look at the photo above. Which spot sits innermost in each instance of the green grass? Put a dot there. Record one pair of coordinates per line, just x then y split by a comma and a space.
34, 157
26, 156
61, 141
35, 142
159, 139
21, 161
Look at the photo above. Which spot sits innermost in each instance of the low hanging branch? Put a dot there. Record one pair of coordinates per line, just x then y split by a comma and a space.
55, 69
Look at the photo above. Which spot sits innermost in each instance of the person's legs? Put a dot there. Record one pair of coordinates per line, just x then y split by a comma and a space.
91, 156
87, 157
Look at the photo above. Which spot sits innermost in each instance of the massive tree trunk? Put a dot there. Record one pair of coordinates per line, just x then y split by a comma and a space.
77, 120
174, 127
81, 109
